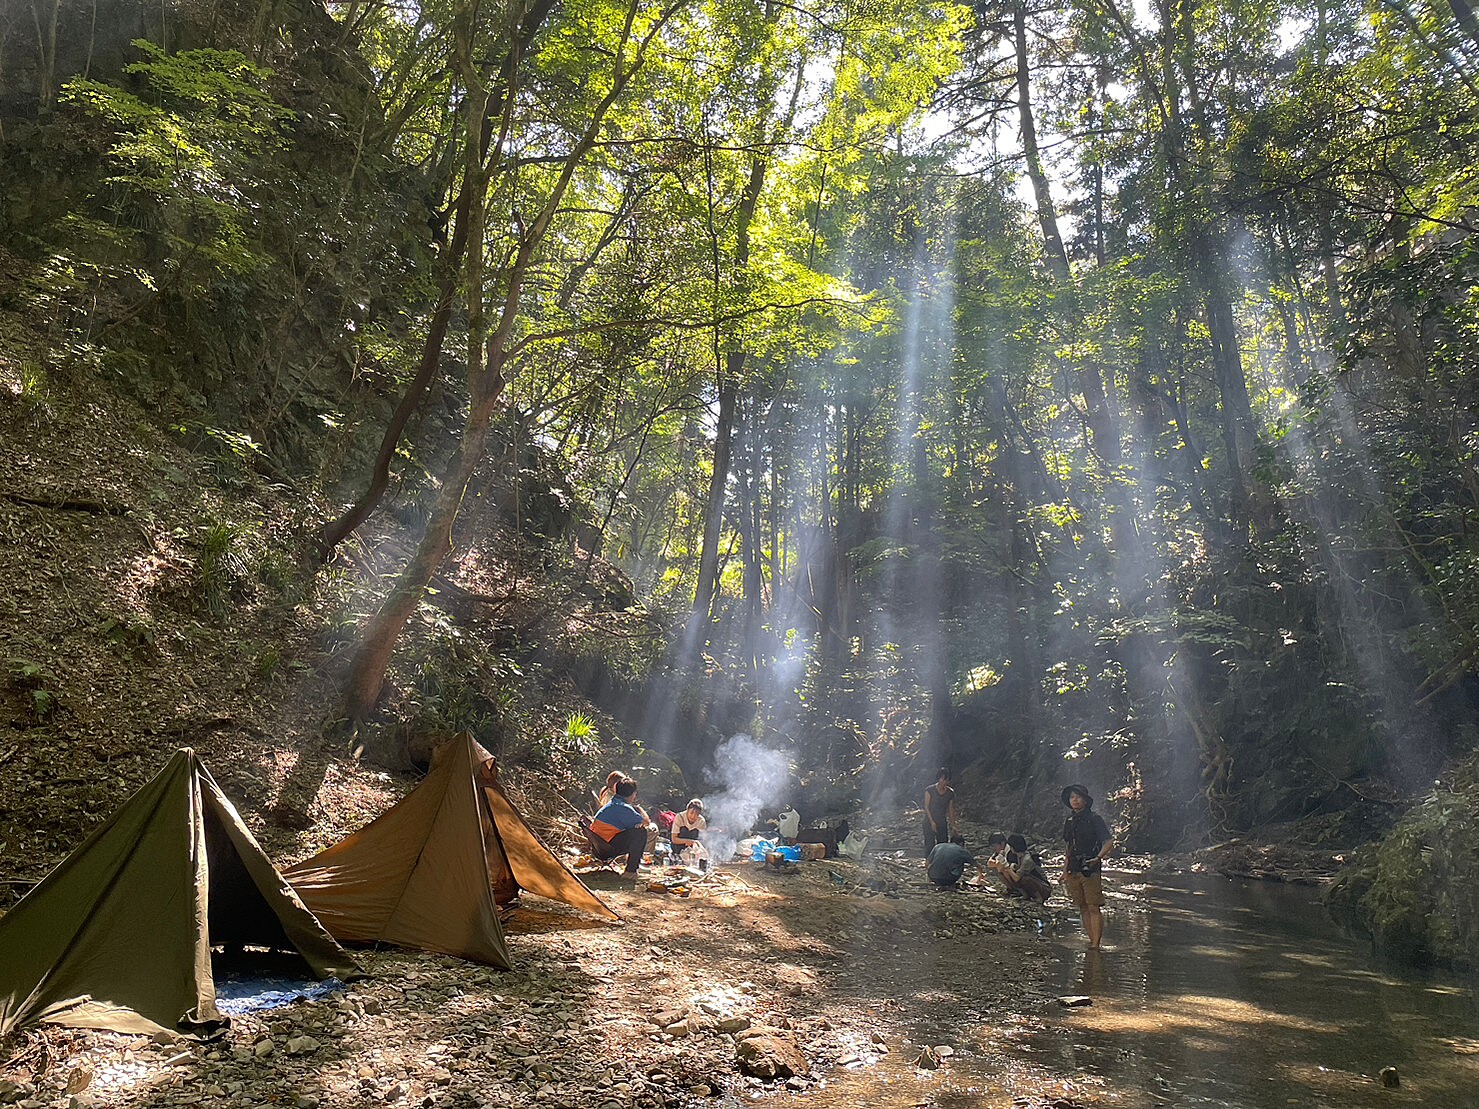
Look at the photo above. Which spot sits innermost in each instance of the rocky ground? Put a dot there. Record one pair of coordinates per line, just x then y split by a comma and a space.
757, 985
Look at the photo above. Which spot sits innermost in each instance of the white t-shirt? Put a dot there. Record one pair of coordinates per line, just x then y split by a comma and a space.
685, 823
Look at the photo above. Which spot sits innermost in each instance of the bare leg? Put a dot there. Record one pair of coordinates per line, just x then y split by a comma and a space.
1093, 920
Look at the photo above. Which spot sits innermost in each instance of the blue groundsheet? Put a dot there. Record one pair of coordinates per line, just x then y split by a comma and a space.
240, 992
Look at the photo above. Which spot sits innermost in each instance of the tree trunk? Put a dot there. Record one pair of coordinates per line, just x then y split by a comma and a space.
748, 519
1101, 416
733, 365
367, 672
338, 530
486, 362
1047, 216
1463, 11
1232, 386
708, 562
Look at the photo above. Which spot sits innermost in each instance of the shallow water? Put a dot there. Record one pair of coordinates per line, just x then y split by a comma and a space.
1210, 992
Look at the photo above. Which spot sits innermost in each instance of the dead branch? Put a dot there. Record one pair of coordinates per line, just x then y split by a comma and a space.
68, 504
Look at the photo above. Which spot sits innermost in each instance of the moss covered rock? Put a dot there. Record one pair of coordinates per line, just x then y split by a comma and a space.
1417, 892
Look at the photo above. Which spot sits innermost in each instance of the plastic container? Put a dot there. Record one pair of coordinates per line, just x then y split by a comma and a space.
765, 847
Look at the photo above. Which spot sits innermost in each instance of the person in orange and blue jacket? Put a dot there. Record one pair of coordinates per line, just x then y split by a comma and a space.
620, 828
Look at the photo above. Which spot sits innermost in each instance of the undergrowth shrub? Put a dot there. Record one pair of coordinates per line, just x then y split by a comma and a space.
37, 686
129, 634
224, 567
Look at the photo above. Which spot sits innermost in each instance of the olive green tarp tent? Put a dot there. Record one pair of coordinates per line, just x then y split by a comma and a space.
431, 870
119, 935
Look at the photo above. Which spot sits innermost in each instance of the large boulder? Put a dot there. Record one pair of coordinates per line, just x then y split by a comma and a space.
766, 1053
1414, 893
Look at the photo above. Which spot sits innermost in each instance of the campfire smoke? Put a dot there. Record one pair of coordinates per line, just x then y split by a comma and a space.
752, 780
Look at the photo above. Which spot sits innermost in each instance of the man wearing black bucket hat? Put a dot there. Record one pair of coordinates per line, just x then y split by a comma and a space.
1089, 844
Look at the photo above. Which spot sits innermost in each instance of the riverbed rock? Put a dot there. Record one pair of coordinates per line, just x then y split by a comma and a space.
1390, 1078
929, 1059
1075, 1001
79, 1079
768, 1055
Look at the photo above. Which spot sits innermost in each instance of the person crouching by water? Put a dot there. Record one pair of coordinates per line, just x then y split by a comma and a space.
1020, 870
620, 828
947, 862
688, 826
1089, 844
939, 811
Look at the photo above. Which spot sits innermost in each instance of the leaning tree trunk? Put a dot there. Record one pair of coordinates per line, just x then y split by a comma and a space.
367, 672
338, 530
486, 362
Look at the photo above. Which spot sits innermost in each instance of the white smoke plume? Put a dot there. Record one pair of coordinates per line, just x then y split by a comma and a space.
752, 779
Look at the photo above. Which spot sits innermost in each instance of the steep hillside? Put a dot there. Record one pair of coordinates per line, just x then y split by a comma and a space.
156, 592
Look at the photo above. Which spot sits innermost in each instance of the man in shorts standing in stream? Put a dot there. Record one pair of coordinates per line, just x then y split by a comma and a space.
1089, 844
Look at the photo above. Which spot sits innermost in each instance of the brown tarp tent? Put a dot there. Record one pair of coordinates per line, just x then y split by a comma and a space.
430, 871
119, 935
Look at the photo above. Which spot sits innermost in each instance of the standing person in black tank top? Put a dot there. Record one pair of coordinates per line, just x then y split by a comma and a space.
939, 811
1089, 843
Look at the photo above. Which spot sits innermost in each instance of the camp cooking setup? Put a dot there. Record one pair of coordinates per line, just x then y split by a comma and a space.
130, 932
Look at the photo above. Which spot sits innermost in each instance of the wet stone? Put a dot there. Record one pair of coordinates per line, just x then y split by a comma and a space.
769, 1056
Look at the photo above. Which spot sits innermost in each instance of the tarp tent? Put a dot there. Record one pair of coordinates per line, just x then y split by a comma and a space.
119, 935
430, 871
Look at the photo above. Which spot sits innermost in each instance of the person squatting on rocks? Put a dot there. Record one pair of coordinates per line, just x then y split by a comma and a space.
947, 862
620, 828
688, 827
939, 811
1089, 844
1019, 869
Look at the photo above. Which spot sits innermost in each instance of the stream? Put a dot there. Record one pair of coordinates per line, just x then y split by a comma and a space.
1210, 992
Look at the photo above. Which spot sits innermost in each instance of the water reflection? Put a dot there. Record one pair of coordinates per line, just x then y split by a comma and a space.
1211, 993
1223, 993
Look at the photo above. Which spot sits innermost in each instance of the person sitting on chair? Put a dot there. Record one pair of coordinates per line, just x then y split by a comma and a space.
620, 828
608, 789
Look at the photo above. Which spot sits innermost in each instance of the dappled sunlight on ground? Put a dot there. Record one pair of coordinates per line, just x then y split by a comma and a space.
1186, 1013
1186, 1009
